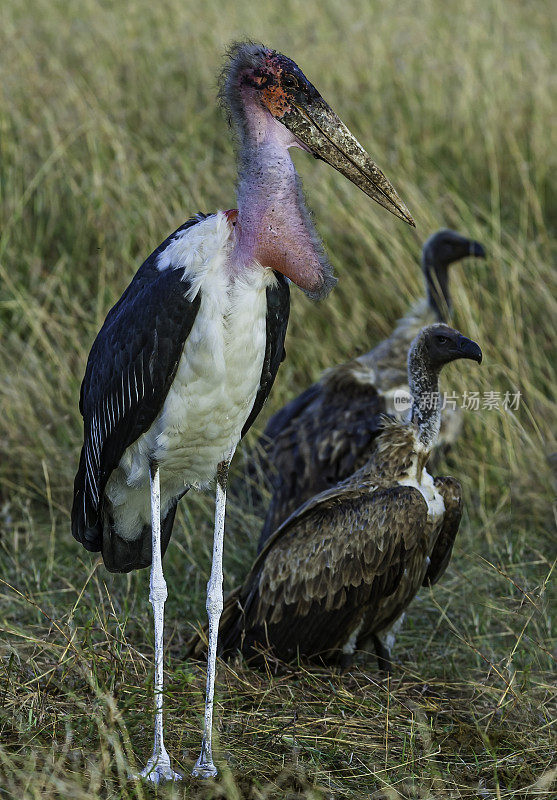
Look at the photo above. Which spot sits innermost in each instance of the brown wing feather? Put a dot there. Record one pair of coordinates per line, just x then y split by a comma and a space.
328, 440
338, 555
451, 491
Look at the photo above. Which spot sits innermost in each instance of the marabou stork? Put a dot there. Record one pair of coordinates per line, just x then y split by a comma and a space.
328, 432
347, 563
186, 358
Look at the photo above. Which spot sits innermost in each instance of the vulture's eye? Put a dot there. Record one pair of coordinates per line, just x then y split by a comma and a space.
442, 339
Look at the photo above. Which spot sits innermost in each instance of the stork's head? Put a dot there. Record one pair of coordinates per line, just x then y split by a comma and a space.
279, 86
439, 251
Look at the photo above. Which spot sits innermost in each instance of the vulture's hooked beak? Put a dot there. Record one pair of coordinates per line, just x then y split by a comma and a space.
469, 349
476, 250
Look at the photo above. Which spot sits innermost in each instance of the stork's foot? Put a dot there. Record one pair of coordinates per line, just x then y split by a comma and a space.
204, 767
158, 770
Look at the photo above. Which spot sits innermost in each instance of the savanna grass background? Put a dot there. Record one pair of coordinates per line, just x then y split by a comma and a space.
110, 137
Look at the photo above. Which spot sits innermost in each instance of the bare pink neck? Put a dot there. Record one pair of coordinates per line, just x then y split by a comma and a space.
273, 226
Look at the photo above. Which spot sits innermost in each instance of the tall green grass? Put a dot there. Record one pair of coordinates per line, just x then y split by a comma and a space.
110, 137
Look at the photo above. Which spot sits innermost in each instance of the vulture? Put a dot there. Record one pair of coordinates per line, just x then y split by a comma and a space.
327, 432
346, 564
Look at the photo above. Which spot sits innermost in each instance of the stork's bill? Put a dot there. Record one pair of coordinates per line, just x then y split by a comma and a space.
328, 138
297, 104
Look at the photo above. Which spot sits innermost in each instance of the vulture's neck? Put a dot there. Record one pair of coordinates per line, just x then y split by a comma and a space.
426, 407
437, 287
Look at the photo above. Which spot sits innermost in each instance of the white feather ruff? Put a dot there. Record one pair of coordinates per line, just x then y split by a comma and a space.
426, 486
216, 382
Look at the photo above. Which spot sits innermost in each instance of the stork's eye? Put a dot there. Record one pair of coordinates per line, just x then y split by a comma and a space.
290, 82
258, 79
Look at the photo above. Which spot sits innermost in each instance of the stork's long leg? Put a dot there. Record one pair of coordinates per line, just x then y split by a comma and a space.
204, 767
158, 767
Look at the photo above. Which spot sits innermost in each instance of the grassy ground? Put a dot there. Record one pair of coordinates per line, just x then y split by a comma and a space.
109, 139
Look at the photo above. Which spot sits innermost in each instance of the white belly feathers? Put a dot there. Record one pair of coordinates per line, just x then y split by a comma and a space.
432, 496
426, 486
215, 385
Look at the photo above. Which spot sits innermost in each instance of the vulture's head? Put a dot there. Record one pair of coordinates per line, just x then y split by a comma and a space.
440, 250
432, 348
438, 345
446, 246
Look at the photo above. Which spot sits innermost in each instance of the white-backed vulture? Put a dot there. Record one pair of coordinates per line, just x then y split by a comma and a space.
327, 432
347, 563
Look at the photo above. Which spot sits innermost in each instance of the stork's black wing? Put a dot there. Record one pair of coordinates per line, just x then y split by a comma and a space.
130, 368
278, 310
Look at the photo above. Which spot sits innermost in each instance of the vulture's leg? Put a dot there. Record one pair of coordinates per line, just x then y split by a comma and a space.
383, 655
204, 767
158, 767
